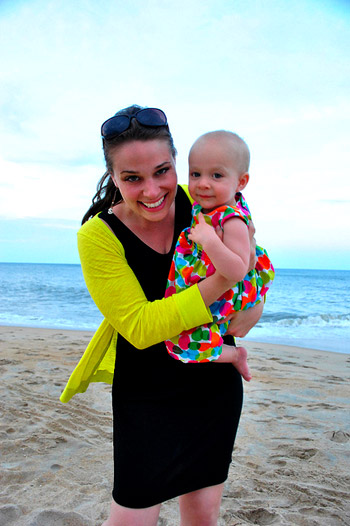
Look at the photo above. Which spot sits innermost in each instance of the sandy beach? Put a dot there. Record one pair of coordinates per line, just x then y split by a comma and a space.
291, 464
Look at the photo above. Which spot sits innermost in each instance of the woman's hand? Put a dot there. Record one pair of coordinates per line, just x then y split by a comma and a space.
253, 258
242, 321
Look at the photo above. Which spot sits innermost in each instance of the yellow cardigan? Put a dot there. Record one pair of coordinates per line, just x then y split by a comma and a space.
118, 295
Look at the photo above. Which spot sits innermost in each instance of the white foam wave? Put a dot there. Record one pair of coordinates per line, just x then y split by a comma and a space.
320, 320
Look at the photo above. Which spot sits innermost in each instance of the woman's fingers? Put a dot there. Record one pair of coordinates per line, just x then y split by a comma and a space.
242, 321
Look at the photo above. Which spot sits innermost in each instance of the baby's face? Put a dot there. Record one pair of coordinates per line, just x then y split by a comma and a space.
214, 178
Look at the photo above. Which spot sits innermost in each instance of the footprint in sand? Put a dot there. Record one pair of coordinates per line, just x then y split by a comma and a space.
338, 436
302, 453
59, 518
55, 467
259, 516
9, 514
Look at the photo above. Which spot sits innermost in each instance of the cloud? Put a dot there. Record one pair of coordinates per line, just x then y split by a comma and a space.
335, 201
276, 75
40, 190
35, 240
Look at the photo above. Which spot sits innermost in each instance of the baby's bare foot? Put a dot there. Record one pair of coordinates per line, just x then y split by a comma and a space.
240, 362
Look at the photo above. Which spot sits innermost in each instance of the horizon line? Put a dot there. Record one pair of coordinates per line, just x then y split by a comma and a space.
78, 264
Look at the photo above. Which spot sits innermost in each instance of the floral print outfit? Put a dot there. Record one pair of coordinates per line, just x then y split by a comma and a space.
191, 264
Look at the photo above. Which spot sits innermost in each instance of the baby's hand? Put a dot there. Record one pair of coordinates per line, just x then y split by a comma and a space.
202, 233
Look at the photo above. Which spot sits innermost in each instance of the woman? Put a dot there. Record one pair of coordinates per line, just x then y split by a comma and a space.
173, 435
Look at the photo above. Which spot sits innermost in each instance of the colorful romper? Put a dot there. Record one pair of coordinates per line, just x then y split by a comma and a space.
191, 264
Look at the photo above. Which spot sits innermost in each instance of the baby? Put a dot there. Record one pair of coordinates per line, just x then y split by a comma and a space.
218, 171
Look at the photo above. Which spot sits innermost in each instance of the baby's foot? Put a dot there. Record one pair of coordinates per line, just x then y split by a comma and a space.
240, 362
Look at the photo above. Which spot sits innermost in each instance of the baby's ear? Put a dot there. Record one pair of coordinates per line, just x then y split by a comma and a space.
243, 181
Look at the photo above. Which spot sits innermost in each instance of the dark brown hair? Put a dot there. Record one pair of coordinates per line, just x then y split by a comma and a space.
107, 193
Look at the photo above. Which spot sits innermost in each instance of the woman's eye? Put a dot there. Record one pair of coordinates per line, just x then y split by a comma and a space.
131, 178
162, 171
217, 176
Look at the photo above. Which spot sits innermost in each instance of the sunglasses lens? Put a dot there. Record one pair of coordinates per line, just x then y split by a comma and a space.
120, 123
151, 117
114, 126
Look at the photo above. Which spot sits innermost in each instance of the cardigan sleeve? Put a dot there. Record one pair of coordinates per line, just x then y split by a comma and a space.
118, 295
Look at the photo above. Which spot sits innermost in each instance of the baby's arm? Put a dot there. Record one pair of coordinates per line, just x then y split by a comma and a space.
230, 256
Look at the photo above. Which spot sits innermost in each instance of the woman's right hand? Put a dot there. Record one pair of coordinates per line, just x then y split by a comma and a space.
241, 322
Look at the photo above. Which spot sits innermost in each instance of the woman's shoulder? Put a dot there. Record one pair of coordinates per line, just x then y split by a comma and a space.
185, 189
183, 207
95, 231
92, 226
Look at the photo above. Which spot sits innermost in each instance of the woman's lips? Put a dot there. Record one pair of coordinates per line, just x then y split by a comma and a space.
155, 204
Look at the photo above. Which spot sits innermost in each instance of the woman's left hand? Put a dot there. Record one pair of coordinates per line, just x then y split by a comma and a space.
253, 258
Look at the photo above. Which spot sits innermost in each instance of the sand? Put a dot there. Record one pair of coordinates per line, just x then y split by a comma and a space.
291, 460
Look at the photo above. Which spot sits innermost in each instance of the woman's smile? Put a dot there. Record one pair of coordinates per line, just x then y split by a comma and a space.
154, 205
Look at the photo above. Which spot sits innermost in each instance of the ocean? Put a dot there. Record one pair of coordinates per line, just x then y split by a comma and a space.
303, 306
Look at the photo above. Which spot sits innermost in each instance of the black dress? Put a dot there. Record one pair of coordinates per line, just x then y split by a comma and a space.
174, 423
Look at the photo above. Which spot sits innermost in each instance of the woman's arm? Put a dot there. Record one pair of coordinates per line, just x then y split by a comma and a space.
119, 297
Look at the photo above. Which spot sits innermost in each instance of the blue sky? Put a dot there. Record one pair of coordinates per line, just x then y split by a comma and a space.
276, 72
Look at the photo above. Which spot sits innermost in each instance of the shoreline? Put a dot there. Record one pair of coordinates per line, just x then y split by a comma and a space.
289, 463
242, 341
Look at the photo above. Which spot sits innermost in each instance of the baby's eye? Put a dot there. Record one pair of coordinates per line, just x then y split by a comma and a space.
195, 174
217, 176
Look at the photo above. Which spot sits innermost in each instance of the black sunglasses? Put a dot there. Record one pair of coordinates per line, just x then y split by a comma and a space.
120, 123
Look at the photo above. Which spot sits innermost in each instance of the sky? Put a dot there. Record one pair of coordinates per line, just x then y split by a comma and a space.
274, 71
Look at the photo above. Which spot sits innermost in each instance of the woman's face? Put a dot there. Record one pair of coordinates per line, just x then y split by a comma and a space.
144, 172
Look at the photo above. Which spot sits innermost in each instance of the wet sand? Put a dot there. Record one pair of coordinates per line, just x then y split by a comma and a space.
291, 463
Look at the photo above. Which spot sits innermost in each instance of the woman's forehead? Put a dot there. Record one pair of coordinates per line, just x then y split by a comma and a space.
141, 153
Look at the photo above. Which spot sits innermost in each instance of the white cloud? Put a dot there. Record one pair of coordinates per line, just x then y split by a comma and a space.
278, 76
45, 191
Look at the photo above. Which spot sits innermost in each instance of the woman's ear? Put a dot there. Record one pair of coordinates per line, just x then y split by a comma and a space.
113, 179
243, 181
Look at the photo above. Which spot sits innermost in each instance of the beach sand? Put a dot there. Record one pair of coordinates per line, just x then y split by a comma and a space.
290, 464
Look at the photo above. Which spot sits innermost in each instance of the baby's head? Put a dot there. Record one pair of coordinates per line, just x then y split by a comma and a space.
218, 169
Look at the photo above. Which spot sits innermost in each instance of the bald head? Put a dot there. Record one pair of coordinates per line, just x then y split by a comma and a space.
234, 146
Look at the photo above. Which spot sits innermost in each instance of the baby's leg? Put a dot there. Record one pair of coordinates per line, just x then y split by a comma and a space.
238, 357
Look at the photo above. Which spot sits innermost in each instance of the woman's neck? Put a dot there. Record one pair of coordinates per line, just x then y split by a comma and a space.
158, 235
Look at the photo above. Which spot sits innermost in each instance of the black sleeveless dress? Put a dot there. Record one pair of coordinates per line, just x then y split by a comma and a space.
174, 423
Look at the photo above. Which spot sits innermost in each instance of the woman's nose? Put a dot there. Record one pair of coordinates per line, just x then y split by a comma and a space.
151, 189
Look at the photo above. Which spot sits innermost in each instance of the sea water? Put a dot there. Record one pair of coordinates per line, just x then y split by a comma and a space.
307, 308
304, 307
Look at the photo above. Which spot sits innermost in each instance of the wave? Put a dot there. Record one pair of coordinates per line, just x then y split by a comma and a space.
314, 320
42, 322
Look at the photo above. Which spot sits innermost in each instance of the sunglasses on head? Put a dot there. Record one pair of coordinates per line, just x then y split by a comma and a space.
120, 123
